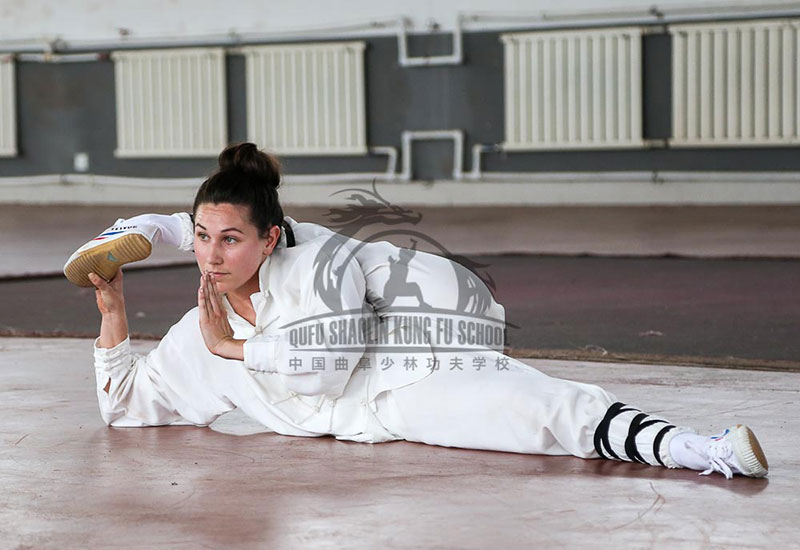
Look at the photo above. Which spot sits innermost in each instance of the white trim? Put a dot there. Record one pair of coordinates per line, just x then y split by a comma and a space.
8, 108
542, 189
60, 58
456, 57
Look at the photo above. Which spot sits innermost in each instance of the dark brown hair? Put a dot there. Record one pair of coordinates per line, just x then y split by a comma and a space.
247, 177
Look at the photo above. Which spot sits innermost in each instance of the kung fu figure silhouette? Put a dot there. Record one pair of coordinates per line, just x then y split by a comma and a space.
397, 285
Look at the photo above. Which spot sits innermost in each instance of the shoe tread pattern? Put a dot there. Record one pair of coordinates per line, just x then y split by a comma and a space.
757, 450
125, 249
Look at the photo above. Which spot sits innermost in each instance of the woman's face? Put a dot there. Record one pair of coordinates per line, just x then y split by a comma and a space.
227, 244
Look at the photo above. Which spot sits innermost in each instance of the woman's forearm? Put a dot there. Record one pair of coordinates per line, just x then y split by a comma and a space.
113, 329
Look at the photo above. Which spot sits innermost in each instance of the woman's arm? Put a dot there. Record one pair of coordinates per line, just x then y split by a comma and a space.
111, 304
131, 388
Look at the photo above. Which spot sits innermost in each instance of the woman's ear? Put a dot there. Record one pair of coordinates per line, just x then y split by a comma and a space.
273, 236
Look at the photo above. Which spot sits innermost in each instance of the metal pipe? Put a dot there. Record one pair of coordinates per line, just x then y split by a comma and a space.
652, 177
61, 58
477, 150
655, 15
532, 21
232, 39
181, 183
455, 58
235, 40
458, 149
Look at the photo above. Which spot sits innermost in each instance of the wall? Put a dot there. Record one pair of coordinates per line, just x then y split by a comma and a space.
100, 20
69, 107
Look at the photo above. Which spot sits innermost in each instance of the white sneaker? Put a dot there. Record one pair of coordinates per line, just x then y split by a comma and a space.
734, 451
120, 244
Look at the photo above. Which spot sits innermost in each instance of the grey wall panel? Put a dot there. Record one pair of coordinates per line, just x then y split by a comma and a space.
68, 108
656, 86
237, 98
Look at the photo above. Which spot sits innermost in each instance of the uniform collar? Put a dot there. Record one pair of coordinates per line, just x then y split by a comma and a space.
263, 275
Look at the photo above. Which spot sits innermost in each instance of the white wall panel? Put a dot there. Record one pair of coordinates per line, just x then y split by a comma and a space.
573, 90
307, 99
170, 103
8, 108
735, 84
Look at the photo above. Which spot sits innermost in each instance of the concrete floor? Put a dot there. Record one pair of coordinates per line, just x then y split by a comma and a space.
68, 481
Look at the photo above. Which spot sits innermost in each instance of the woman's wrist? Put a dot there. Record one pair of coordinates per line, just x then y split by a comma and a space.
115, 315
113, 329
230, 348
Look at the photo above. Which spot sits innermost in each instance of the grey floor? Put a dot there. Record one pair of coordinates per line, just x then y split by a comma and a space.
68, 481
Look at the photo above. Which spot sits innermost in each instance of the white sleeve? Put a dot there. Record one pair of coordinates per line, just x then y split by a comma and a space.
135, 396
187, 231
330, 374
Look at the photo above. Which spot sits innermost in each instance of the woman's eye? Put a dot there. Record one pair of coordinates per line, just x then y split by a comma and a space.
202, 236
230, 240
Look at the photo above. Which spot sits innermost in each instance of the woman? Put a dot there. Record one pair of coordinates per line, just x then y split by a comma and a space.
270, 336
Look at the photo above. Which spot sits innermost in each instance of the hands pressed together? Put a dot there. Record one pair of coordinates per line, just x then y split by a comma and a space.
214, 326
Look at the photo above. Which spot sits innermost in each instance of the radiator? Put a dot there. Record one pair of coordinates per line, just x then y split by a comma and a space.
573, 90
735, 84
8, 112
170, 103
307, 99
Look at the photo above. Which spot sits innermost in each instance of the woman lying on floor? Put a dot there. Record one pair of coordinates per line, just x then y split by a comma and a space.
257, 340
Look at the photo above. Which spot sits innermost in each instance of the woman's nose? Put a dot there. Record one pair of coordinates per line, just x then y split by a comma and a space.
215, 255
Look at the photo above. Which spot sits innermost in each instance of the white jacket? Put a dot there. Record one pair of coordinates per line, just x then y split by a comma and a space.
181, 382
445, 284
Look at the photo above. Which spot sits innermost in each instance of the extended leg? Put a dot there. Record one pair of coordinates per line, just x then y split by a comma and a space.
523, 410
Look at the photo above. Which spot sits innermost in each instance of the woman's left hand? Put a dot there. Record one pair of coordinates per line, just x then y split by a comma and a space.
214, 326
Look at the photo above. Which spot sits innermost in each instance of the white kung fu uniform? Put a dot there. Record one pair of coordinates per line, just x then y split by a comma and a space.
505, 405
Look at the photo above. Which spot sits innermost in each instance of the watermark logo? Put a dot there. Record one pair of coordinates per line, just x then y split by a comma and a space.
420, 296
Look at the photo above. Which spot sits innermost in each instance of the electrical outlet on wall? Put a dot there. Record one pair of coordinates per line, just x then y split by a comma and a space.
81, 162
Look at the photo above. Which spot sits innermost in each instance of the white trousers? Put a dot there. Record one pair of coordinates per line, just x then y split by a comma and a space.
518, 410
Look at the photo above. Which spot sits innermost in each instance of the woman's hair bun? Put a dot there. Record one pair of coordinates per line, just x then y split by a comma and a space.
245, 157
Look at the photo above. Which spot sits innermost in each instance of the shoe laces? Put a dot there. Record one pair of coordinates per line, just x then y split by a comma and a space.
720, 456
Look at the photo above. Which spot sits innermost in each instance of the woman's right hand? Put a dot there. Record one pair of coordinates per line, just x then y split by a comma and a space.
110, 299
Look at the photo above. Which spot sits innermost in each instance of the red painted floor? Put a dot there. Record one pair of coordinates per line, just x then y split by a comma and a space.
723, 309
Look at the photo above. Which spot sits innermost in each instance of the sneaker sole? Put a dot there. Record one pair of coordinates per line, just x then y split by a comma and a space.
752, 457
125, 249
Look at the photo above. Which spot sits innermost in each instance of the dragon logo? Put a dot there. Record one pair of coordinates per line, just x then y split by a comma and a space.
369, 218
